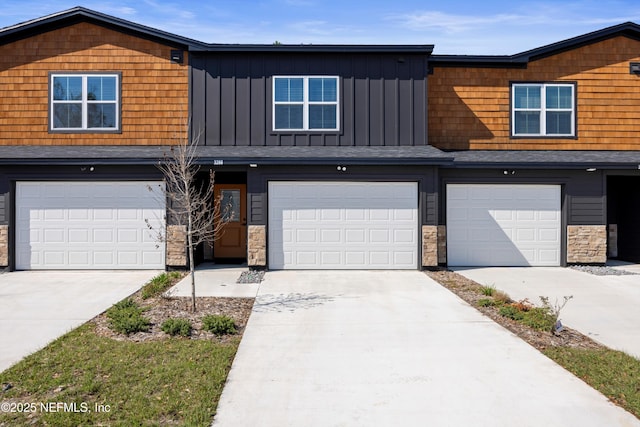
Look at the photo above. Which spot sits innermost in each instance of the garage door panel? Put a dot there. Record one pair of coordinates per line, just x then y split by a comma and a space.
355, 236
357, 225
79, 259
88, 225
503, 224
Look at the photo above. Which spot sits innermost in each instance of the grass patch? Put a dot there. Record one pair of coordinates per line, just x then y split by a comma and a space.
488, 290
169, 382
486, 302
613, 373
160, 283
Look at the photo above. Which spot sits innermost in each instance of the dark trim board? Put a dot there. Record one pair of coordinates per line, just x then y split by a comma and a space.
258, 181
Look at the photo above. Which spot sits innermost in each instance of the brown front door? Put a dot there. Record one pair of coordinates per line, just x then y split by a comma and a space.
233, 241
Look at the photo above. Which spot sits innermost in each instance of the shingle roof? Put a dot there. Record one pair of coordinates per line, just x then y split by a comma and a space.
36, 155
81, 14
547, 159
628, 29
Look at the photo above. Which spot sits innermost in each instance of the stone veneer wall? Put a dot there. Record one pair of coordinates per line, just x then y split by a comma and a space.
587, 244
176, 246
257, 246
429, 245
442, 244
4, 245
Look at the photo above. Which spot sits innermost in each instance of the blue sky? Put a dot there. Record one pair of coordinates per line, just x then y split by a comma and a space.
455, 27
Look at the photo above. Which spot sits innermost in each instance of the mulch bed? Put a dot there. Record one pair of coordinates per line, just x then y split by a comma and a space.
469, 291
160, 308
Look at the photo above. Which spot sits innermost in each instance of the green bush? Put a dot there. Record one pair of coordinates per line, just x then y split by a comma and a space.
160, 283
488, 290
486, 302
539, 318
219, 325
174, 327
511, 312
126, 317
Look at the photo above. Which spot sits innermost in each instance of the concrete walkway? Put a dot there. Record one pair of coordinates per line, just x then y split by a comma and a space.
603, 307
216, 280
37, 307
392, 348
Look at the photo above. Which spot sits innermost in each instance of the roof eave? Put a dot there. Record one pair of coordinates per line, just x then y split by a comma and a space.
80, 14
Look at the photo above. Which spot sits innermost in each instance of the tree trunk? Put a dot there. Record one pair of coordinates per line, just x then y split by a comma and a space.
192, 266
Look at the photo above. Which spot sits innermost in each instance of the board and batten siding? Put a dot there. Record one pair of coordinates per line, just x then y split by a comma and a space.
469, 108
154, 94
382, 98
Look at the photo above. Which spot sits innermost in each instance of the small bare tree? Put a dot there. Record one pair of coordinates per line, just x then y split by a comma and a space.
189, 204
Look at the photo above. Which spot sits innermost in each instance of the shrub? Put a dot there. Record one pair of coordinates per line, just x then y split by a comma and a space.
126, 317
486, 302
175, 327
511, 312
523, 305
501, 298
539, 318
488, 290
219, 324
160, 283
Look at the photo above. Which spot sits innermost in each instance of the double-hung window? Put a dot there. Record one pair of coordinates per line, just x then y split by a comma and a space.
84, 102
306, 103
543, 109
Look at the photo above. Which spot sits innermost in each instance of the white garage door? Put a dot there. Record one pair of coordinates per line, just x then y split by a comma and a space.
88, 225
503, 225
343, 225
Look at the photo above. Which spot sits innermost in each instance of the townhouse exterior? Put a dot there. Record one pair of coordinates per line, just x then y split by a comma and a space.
337, 157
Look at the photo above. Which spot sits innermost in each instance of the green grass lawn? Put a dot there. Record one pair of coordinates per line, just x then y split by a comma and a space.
170, 382
614, 373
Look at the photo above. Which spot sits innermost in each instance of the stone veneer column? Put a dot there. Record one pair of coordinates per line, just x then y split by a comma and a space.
4, 245
587, 244
429, 245
442, 244
176, 246
257, 246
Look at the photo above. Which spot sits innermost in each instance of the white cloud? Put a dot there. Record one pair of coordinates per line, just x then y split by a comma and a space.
451, 23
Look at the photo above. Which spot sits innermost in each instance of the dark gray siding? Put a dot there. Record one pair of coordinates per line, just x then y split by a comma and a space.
4, 217
258, 180
383, 98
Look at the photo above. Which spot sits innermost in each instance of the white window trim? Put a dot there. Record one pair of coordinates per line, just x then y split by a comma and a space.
305, 103
543, 109
84, 102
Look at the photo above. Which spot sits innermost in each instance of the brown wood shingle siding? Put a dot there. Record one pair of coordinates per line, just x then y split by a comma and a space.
469, 107
154, 90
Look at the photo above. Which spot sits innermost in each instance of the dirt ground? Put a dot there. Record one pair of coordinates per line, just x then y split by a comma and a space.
469, 291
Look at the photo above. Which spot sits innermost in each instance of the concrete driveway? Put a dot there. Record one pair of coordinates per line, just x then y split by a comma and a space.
392, 348
37, 307
603, 307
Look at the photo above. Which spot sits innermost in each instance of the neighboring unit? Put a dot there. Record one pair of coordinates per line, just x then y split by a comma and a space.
545, 146
332, 156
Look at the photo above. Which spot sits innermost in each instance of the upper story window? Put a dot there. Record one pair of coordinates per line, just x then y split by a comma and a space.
305, 103
543, 109
85, 102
